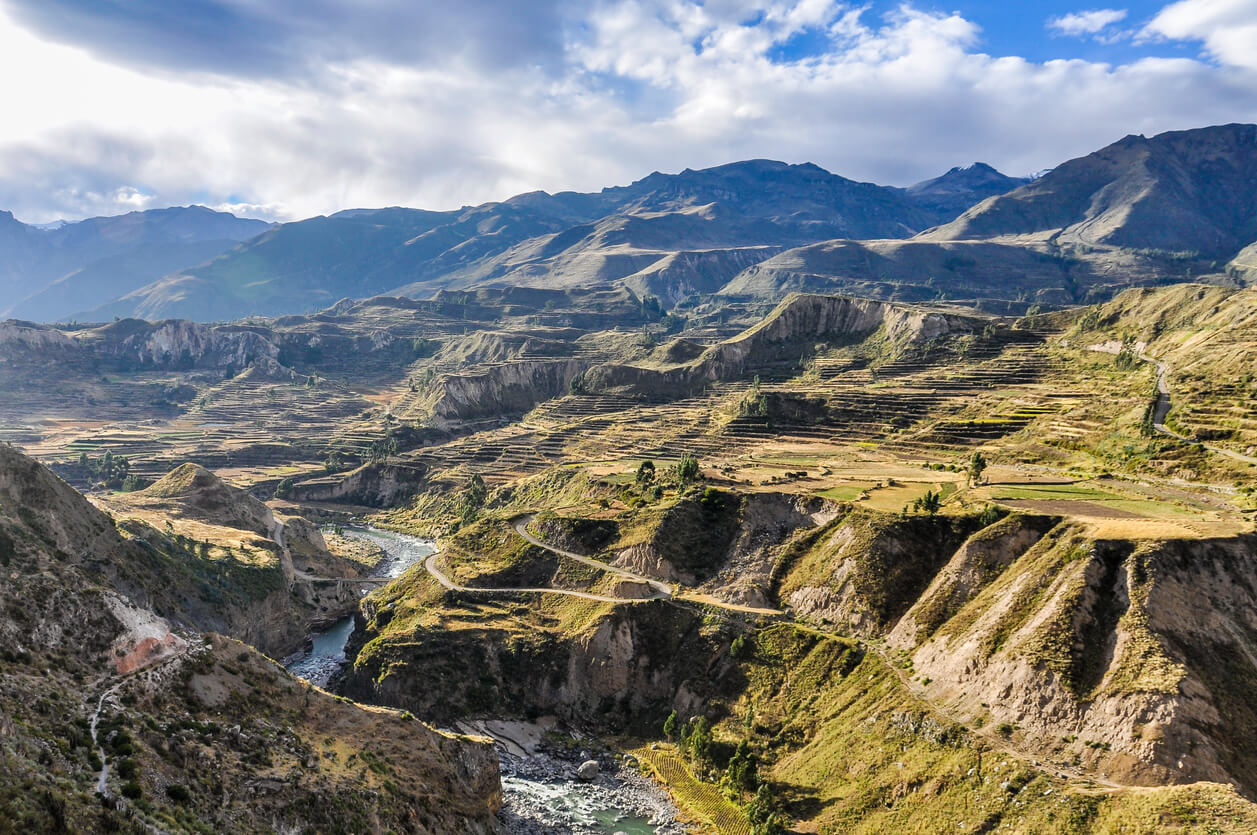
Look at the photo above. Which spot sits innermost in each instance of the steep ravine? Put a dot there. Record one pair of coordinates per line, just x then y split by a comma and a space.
1124, 660
542, 791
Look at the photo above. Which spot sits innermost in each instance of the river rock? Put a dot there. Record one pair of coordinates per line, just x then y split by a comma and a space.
588, 771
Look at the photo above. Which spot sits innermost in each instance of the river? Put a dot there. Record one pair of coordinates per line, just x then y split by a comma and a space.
539, 789
326, 656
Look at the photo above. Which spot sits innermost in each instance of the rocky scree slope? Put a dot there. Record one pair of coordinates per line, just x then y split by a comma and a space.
198, 732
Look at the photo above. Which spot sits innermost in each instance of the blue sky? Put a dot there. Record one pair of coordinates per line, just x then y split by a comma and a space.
289, 108
1011, 28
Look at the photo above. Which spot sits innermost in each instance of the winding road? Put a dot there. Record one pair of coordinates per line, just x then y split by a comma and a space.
1162, 409
662, 590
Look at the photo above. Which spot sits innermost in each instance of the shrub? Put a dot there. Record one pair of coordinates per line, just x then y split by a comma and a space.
178, 793
131, 790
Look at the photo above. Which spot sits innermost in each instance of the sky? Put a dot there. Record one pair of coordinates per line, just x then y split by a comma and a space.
283, 109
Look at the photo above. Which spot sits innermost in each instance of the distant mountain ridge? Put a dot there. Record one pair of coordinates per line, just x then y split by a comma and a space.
669, 235
1183, 190
50, 272
1174, 207
960, 188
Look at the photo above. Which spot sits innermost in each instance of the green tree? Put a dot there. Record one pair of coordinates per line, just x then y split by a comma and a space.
929, 503
670, 726
743, 770
334, 462
645, 472
382, 449
687, 469
762, 814
699, 742
977, 466
473, 498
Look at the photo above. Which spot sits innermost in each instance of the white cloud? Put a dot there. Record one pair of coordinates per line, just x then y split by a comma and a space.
1228, 28
1078, 24
640, 85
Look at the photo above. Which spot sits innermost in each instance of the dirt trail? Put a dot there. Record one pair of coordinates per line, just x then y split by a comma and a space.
431, 567
662, 590
101, 784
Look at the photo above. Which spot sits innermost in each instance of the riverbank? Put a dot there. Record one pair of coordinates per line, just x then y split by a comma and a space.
556, 782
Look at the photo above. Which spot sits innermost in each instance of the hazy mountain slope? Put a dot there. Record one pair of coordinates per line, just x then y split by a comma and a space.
51, 273
22, 248
565, 239
112, 276
1185, 190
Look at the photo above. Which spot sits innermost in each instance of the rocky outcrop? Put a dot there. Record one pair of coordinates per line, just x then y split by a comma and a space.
497, 390
797, 323
376, 484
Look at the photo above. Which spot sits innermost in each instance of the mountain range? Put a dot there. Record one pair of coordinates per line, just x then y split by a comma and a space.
1178, 206
52, 271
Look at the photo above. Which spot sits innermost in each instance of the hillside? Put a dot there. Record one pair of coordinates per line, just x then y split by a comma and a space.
671, 235
1179, 191
919, 665
50, 274
195, 732
1141, 212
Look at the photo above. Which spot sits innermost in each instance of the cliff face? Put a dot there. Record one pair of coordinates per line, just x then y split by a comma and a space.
1134, 652
378, 484
618, 672
798, 323
203, 729
511, 388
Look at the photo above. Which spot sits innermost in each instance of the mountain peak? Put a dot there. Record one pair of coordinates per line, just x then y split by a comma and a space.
1177, 191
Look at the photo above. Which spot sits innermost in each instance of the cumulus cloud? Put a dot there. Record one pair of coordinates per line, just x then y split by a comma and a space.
1078, 24
612, 90
1228, 28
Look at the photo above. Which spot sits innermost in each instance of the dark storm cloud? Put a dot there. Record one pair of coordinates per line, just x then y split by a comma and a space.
288, 38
